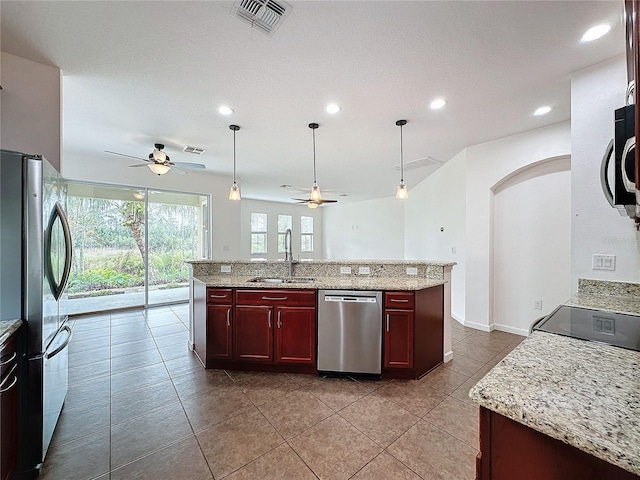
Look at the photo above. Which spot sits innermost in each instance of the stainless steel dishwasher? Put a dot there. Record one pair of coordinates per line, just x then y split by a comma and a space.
350, 331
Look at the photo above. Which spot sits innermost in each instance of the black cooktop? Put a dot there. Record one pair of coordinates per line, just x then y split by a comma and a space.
616, 329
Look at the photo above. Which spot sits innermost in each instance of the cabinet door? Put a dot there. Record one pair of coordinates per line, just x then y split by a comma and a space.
295, 335
9, 423
253, 333
398, 338
219, 337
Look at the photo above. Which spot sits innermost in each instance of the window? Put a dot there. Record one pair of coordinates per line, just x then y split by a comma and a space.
258, 233
306, 237
284, 222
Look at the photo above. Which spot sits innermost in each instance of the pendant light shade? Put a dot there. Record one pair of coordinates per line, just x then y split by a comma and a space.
401, 192
315, 195
234, 192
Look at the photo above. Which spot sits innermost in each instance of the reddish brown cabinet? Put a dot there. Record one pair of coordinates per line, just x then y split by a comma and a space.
212, 323
510, 450
413, 325
275, 326
9, 385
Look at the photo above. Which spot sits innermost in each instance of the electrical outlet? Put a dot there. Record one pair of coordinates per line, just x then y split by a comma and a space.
345, 270
225, 268
412, 271
604, 262
537, 304
453, 249
364, 270
225, 248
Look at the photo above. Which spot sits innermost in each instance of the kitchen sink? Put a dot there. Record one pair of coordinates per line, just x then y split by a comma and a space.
282, 280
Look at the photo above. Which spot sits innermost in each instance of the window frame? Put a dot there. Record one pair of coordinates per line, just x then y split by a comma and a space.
255, 234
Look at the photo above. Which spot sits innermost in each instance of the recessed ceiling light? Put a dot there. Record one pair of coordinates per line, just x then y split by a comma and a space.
437, 104
332, 108
542, 110
224, 110
595, 32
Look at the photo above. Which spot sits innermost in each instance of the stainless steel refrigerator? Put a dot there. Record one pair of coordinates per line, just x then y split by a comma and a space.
35, 261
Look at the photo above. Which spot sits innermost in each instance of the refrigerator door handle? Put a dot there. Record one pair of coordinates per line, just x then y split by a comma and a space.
49, 355
58, 288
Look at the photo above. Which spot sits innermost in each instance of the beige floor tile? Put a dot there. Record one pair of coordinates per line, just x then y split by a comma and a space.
457, 418
294, 412
462, 392
141, 401
463, 365
182, 460
385, 467
334, 449
81, 459
379, 419
417, 397
337, 393
475, 352
80, 421
201, 381
138, 378
236, 442
281, 463
91, 391
482, 372
180, 366
488, 341
89, 371
444, 380
142, 435
265, 389
209, 409
135, 360
433, 453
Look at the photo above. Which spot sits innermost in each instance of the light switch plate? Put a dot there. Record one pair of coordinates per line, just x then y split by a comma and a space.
604, 262
412, 271
225, 268
364, 270
345, 270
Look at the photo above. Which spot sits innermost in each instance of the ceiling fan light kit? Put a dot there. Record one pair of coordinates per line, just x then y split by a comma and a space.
401, 192
234, 192
159, 168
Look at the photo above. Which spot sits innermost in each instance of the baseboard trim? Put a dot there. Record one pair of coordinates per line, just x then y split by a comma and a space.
506, 328
448, 356
479, 326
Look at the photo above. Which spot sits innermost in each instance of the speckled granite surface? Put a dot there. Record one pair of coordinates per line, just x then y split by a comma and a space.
583, 393
621, 297
328, 283
7, 327
323, 268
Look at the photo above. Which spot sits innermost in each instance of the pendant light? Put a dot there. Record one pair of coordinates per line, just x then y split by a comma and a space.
234, 193
315, 195
401, 193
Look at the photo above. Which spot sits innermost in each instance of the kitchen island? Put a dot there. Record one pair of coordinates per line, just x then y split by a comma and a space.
561, 407
264, 319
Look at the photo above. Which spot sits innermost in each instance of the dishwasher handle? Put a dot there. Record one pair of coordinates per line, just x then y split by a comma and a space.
349, 299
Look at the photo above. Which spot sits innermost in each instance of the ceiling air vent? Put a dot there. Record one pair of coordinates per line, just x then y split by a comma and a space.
265, 15
419, 163
194, 150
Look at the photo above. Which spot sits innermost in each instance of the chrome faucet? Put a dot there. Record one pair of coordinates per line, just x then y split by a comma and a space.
288, 254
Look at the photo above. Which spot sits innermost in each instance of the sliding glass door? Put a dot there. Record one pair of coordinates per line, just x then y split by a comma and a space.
130, 245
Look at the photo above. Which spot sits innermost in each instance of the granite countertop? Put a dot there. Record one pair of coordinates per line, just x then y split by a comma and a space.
7, 327
586, 394
330, 262
327, 283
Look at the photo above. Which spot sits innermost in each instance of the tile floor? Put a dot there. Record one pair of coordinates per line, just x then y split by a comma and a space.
140, 406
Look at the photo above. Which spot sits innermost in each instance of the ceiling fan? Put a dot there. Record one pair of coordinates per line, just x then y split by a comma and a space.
160, 163
315, 199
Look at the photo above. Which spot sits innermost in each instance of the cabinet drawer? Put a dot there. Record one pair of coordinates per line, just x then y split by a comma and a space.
291, 298
404, 300
8, 355
219, 295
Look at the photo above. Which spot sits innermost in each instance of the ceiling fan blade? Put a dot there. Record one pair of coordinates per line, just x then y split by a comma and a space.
125, 155
178, 170
326, 201
138, 165
302, 200
194, 166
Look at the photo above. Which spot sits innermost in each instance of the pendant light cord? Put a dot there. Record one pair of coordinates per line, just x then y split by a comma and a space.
401, 157
234, 156
314, 155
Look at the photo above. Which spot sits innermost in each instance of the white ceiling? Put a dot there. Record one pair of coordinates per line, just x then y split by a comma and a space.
141, 72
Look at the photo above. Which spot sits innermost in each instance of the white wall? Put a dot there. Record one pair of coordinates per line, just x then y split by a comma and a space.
596, 227
30, 107
531, 244
487, 165
272, 209
372, 229
440, 202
